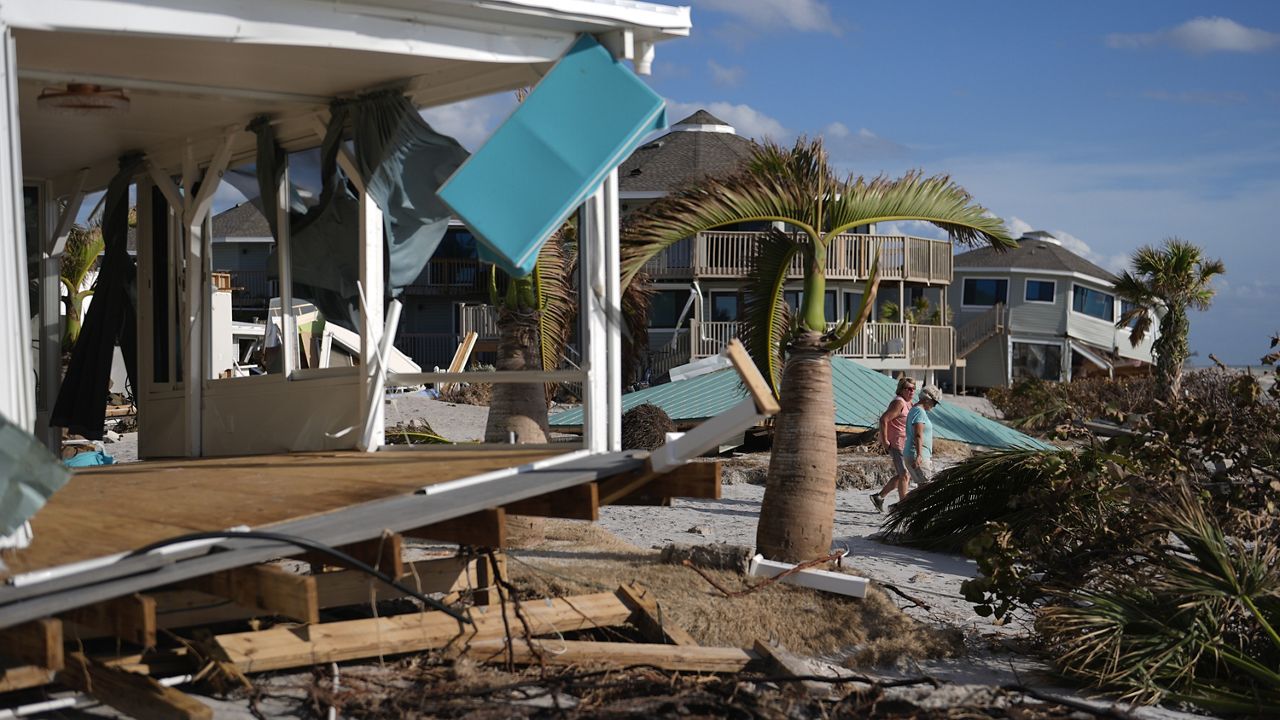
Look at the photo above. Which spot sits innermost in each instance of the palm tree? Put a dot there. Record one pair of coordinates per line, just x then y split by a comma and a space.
84, 245
797, 186
1169, 280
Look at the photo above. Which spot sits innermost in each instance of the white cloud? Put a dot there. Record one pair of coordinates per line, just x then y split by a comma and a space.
915, 228
1017, 227
1114, 263
471, 122
748, 121
836, 130
1201, 35
726, 76
802, 15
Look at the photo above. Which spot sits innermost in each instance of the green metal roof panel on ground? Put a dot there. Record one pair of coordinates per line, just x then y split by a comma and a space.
861, 396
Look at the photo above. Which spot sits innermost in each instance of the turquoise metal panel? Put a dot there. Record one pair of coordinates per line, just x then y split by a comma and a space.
861, 395
586, 116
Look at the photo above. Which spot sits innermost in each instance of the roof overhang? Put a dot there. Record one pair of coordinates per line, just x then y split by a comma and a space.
198, 71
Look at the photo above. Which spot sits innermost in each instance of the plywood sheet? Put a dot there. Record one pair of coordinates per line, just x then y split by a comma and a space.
119, 508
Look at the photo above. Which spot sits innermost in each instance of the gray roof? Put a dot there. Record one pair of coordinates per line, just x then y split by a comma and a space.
1032, 253
242, 221
682, 157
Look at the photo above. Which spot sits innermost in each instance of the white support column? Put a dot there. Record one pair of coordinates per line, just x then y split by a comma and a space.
195, 357
17, 386
371, 320
595, 325
50, 305
284, 255
613, 307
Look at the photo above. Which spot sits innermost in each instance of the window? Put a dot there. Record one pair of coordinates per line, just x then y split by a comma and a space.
985, 292
831, 306
666, 306
1040, 291
725, 307
1093, 303
1035, 360
852, 301
792, 298
1126, 306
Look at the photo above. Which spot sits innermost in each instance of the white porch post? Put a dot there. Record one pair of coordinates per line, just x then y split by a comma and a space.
17, 388
371, 321
195, 357
613, 306
284, 271
592, 307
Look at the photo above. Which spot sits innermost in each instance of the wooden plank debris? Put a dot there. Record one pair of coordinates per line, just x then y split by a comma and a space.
21, 677
823, 580
755, 383
488, 577
778, 660
131, 618
648, 617
616, 654
130, 693
283, 647
460, 358
266, 587
37, 643
699, 480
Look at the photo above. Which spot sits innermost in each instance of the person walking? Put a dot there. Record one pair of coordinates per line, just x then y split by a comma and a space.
893, 435
918, 450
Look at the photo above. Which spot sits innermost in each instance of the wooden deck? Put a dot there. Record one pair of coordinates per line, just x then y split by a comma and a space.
118, 508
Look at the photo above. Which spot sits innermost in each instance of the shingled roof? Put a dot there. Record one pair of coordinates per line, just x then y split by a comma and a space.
242, 221
688, 152
1035, 251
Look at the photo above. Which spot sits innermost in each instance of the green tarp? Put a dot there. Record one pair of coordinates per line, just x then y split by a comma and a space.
861, 396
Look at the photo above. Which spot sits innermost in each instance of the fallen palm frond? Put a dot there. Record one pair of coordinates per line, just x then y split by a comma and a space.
1194, 620
960, 501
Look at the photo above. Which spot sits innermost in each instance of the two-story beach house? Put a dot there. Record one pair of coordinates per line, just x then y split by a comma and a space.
1038, 311
697, 305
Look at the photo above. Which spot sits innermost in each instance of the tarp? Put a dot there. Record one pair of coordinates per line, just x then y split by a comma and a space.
112, 319
587, 115
29, 474
861, 396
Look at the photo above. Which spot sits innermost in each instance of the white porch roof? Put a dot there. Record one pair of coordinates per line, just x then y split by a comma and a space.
195, 68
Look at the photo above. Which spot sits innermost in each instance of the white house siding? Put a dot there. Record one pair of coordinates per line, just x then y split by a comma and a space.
1088, 328
240, 256
1036, 318
1126, 348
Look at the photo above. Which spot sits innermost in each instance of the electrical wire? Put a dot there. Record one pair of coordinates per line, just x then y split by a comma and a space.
307, 544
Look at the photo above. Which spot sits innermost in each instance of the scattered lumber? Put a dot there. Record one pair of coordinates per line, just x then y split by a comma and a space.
487, 528
615, 654
21, 677
266, 587
646, 614
777, 659
581, 502
131, 618
130, 693
37, 643
283, 647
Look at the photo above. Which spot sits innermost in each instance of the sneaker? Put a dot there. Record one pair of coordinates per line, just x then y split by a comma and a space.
878, 502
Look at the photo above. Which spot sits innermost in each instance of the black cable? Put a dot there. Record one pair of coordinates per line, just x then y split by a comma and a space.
306, 544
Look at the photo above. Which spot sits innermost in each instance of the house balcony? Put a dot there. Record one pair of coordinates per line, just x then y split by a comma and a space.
880, 345
450, 276
729, 254
251, 287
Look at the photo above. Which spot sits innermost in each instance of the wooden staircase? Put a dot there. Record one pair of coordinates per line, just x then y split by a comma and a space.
980, 329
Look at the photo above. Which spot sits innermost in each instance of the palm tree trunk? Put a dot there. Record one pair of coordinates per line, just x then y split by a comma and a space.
519, 408
799, 498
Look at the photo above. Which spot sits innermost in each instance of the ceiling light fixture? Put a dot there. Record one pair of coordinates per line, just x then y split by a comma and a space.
82, 99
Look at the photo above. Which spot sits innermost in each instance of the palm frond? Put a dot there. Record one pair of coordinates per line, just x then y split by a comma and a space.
958, 503
557, 300
766, 318
937, 200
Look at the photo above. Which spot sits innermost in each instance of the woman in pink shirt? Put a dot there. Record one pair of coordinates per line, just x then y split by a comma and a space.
893, 435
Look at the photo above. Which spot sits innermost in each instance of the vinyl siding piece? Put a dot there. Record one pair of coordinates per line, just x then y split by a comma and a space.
861, 395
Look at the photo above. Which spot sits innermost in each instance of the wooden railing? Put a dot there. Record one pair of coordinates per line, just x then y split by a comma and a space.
978, 330
251, 285
729, 254
674, 353
915, 345
450, 276
480, 319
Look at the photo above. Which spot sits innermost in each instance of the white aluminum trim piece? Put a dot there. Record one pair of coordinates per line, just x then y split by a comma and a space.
824, 580
503, 473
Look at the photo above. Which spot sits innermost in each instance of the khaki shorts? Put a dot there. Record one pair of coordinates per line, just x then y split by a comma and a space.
899, 465
920, 475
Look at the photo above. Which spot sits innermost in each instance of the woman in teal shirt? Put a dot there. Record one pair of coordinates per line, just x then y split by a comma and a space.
918, 450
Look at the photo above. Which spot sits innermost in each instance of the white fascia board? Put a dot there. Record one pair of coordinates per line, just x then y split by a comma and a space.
1089, 355
641, 194
1035, 271
301, 23
667, 19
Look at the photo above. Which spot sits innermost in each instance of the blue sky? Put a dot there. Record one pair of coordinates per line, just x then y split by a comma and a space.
1110, 124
